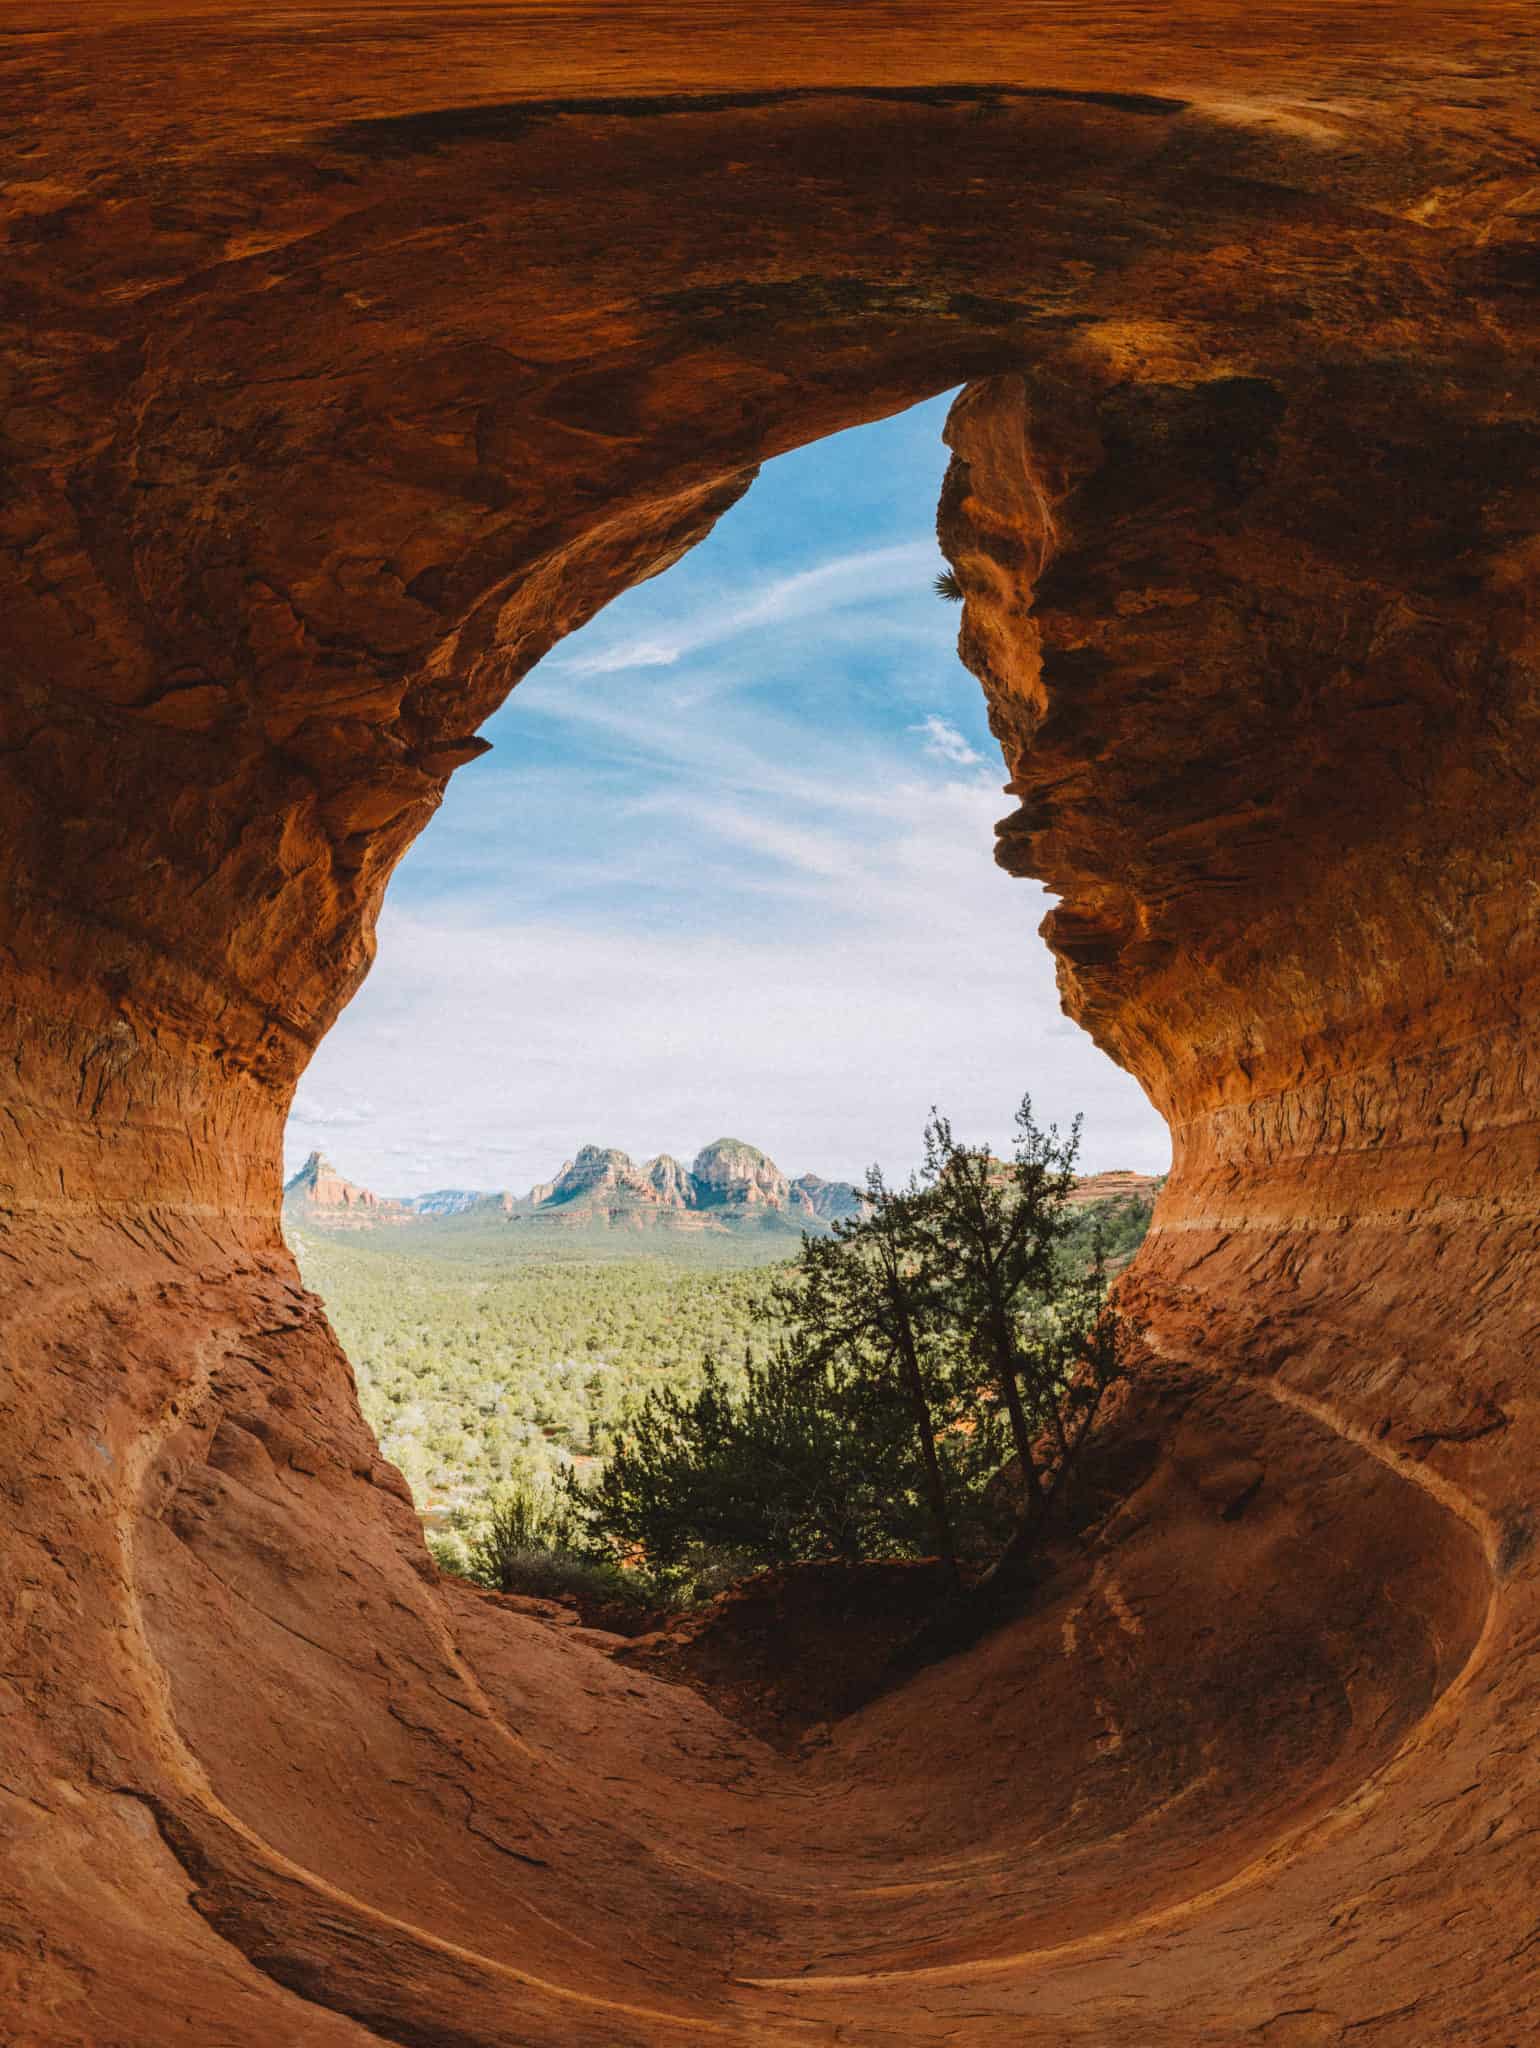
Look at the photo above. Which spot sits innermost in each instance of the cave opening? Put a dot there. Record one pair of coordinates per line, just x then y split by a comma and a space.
308, 462
772, 740
726, 870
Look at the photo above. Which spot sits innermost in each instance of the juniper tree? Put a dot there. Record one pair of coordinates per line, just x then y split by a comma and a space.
1033, 1320
962, 1297
868, 1295
800, 1462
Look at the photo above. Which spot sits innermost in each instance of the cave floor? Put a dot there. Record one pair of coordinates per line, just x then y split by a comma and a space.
1194, 1702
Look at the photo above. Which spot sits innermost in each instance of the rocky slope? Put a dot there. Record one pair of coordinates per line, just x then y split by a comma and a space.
354, 356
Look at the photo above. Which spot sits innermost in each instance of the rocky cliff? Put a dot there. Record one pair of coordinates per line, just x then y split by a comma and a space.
1117, 1185
730, 1174
728, 1180
599, 1177
319, 1194
670, 1181
354, 356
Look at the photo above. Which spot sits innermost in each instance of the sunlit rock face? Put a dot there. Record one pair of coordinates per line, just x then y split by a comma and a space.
1291, 951
725, 1174
319, 1193
731, 1174
600, 1173
341, 388
669, 1181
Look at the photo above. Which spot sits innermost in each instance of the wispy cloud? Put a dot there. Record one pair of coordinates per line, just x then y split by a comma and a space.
911, 979
332, 1115
728, 869
857, 578
943, 742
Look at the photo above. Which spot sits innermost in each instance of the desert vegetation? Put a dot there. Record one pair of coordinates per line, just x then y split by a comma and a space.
633, 1434
480, 1374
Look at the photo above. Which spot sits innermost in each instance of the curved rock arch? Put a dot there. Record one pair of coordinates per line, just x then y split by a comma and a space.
327, 424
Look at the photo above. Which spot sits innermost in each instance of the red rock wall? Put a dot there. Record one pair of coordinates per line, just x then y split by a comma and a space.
1293, 947
340, 390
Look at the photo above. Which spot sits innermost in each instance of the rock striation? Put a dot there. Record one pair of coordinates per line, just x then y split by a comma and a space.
598, 1177
670, 1182
354, 356
730, 1174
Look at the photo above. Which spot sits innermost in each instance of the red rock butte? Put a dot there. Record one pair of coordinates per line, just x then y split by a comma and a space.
356, 353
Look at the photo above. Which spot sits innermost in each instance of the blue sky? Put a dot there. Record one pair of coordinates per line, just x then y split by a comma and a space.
726, 871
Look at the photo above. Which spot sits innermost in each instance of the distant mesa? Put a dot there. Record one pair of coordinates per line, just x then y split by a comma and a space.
730, 1187
441, 1202
1118, 1185
319, 1190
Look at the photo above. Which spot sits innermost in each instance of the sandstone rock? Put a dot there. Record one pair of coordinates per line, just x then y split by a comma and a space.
602, 1186
730, 1174
1117, 1185
318, 1194
545, 1190
601, 1639
599, 1174
537, 1610
832, 1201
669, 1181
348, 371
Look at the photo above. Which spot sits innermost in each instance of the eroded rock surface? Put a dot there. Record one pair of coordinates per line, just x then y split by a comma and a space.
351, 365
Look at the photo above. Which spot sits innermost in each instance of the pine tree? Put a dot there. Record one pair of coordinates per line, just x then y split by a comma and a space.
957, 1315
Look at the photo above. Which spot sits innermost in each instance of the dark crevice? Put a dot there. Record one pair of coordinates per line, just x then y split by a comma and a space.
510, 120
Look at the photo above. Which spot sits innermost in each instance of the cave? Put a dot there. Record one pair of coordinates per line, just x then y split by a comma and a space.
358, 354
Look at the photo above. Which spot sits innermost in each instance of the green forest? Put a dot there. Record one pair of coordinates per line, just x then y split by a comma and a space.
476, 1371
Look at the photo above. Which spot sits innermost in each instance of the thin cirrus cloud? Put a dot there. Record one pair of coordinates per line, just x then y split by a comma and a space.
332, 1116
852, 579
727, 870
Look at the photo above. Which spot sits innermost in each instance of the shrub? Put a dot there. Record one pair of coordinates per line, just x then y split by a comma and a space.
526, 1520
804, 1462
